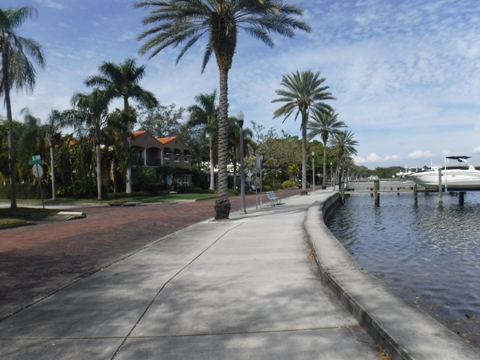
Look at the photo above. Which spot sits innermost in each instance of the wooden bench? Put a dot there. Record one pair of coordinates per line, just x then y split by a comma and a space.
274, 200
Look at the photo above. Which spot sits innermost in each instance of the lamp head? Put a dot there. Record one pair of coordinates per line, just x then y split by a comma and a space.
240, 118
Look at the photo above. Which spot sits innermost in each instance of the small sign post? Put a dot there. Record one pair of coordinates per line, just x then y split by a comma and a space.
38, 172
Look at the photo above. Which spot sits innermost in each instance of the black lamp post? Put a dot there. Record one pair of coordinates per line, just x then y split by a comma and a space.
240, 118
313, 172
331, 176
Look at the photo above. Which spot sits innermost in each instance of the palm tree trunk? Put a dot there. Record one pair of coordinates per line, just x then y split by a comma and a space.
129, 179
11, 142
212, 165
128, 189
115, 173
235, 174
304, 152
222, 205
52, 167
324, 183
99, 170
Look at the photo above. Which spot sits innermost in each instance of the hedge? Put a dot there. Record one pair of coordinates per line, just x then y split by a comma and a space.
26, 190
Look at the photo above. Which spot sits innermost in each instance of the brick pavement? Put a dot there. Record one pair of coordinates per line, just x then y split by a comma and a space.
36, 260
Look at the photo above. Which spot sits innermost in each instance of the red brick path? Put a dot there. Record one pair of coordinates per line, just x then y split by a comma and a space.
36, 260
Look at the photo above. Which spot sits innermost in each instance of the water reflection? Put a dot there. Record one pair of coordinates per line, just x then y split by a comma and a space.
429, 254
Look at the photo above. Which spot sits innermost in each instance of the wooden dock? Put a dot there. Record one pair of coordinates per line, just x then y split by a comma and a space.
376, 187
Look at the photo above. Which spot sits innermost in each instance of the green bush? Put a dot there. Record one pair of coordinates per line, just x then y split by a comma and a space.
288, 184
233, 192
85, 187
26, 190
145, 179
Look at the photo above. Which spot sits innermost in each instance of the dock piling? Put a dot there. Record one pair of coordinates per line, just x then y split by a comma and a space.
376, 193
440, 190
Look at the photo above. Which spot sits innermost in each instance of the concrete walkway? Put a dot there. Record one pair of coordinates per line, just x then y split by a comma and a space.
247, 288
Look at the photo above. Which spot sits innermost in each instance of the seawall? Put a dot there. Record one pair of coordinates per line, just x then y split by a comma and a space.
403, 330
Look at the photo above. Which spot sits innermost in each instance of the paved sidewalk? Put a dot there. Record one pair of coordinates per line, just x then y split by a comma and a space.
240, 289
36, 260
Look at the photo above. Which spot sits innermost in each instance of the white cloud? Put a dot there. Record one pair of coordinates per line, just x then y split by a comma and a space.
358, 160
420, 154
373, 158
51, 4
476, 149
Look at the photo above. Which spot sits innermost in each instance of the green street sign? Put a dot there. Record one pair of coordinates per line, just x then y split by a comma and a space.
36, 162
35, 157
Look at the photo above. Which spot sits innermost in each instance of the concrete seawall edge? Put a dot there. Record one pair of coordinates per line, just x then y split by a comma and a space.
403, 330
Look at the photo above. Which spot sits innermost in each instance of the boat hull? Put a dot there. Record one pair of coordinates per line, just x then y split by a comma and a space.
452, 180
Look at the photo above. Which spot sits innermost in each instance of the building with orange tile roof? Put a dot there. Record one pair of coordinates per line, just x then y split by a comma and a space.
162, 152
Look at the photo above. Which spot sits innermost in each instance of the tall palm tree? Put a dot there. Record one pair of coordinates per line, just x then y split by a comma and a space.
122, 81
92, 111
302, 92
343, 145
205, 113
55, 121
17, 70
324, 124
178, 22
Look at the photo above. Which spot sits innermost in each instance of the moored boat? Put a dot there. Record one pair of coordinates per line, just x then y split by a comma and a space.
460, 176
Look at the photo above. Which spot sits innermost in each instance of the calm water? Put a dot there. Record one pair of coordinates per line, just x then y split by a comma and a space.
429, 254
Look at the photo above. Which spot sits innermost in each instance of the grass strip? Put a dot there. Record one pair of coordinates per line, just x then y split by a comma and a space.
11, 222
21, 212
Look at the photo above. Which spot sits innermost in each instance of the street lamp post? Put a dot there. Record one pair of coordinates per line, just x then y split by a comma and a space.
313, 171
331, 176
240, 118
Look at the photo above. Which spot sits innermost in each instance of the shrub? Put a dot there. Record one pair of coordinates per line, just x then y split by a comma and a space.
288, 184
145, 179
27, 190
85, 187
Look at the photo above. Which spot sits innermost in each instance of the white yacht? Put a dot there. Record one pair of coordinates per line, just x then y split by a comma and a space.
460, 176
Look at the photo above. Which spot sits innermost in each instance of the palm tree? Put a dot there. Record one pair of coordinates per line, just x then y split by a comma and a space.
178, 22
92, 110
17, 71
122, 81
205, 113
324, 124
343, 145
303, 92
55, 122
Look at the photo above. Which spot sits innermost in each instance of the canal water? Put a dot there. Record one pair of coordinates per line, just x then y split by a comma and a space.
428, 254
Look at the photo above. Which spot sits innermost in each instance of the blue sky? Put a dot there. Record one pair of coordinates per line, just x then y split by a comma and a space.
405, 74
